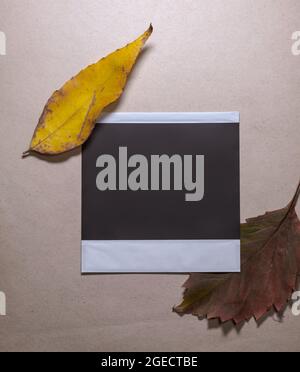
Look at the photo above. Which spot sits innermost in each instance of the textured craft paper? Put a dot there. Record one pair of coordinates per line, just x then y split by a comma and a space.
203, 56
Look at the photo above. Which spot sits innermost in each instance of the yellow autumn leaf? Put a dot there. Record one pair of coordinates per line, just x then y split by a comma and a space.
71, 112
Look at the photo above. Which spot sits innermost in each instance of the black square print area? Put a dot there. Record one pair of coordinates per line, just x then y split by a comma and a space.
161, 182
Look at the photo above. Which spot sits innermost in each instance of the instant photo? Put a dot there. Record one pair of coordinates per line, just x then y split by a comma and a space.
160, 193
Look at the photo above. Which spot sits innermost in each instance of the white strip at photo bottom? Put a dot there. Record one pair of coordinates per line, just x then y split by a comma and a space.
160, 256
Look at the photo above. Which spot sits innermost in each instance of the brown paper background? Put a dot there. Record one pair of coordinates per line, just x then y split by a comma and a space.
204, 55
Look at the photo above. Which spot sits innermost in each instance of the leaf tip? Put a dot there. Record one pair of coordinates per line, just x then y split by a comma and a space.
26, 154
180, 309
147, 33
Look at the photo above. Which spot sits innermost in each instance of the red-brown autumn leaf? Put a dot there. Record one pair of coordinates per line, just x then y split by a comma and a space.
270, 266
